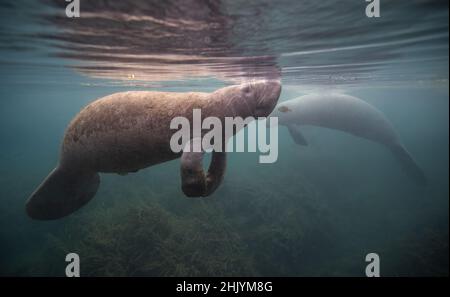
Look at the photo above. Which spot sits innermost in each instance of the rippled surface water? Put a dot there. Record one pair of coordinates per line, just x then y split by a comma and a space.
321, 43
317, 211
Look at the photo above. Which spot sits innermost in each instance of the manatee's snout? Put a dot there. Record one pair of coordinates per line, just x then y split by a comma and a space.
268, 93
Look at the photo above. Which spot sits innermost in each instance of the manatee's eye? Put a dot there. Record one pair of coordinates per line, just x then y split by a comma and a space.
284, 109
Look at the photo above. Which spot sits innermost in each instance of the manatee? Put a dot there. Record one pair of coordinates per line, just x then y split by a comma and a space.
128, 131
348, 114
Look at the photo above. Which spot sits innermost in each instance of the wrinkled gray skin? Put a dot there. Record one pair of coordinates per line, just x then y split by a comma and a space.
129, 131
348, 114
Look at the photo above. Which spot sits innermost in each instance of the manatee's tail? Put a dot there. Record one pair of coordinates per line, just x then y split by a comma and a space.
409, 165
61, 193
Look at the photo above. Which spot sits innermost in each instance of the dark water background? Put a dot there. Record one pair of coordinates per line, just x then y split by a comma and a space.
317, 211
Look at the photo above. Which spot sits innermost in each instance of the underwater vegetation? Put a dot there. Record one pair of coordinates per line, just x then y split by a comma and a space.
238, 232
426, 254
149, 241
144, 226
146, 240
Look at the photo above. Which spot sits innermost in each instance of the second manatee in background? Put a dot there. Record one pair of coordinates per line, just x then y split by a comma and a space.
348, 114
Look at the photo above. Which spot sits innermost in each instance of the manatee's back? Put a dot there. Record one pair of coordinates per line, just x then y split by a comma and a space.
126, 131
345, 113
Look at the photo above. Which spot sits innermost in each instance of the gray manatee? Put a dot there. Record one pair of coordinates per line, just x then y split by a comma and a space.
348, 114
128, 131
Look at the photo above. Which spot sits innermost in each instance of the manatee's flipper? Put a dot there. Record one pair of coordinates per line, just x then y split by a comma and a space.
216, 172
62, 193
296, 135
409, 165
194, 182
